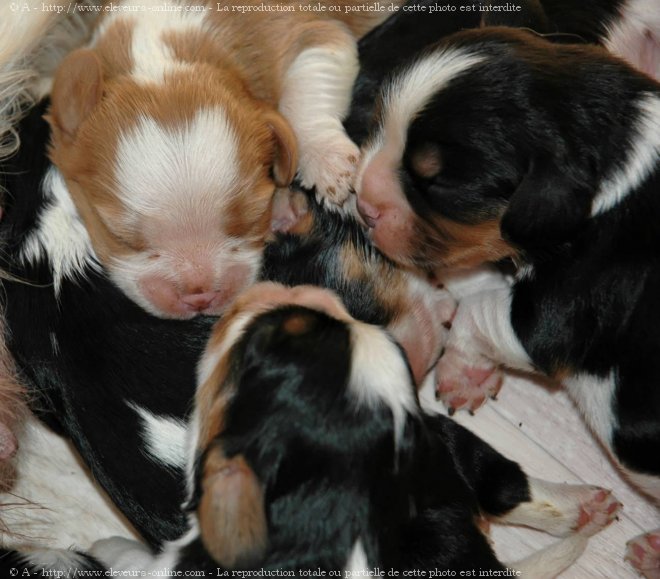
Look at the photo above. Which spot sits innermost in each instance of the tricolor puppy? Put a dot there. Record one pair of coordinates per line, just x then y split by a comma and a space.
341, 470
498, 144
171, 130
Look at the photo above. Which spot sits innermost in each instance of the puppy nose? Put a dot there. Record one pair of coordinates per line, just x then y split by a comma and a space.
368, 212
199, 301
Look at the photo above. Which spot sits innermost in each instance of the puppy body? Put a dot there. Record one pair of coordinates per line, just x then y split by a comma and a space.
488, 173
173, 143
353, 476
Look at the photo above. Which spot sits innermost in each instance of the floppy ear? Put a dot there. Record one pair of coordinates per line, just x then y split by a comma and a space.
286, 153
547, 208
290, 212
232, 515
77, 89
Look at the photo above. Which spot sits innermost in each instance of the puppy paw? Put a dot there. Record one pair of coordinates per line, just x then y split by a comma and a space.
330, 167
643, 553
597, 510
464, 384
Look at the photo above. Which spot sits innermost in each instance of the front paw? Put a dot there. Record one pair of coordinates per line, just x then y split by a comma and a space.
597, 510
463, 383
330, 166
643, 553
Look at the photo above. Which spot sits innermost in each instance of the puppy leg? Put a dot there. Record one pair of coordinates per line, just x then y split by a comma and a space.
481, 340
315, 100
506, 494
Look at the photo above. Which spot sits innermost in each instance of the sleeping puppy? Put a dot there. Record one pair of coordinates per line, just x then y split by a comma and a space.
549, 155
343, 471
172, 129
90, 358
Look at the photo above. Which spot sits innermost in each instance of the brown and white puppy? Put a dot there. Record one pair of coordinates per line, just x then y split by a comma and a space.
172, 129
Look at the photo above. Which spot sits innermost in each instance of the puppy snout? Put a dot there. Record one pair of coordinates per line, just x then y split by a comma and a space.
199, 301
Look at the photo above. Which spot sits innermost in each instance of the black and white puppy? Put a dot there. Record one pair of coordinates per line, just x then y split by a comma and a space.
342, 471
499, 144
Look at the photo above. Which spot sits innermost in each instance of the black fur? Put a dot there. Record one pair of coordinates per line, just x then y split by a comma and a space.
330, 469
529, 136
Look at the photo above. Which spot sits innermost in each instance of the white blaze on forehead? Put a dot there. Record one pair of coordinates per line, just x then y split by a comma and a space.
380, 375
162, 169
409, 92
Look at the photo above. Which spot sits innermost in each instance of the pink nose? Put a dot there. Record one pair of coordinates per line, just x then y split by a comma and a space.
200, 301
368, 212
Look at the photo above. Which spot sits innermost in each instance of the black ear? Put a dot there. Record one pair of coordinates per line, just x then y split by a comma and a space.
548, 208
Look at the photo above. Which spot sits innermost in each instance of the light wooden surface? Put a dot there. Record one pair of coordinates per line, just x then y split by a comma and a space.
543, 431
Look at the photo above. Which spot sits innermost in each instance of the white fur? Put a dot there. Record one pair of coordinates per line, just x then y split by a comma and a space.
164, 437
483, 325
635, 36
408, 93
54, 502
357, 564
643, 158
175, 184
47, 561
316, 98
61, 236
551, 561
379, 374
171, 170
553, 508
594, 397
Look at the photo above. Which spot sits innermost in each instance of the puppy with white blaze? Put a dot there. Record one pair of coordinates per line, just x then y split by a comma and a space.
342, 471
498, 144
172, 129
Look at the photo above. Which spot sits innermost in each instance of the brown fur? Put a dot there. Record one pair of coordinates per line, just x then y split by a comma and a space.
232, 515
446, 244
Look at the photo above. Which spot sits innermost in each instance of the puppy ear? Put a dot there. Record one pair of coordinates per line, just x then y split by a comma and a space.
290, 212
77, 89
547, 208
232, 515
286, 154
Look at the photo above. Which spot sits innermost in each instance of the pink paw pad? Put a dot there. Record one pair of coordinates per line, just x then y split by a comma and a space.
464, 387
643, 553
597, 511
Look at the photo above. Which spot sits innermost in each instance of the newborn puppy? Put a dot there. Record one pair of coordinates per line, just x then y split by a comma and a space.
561, 174
171, 130
342, 470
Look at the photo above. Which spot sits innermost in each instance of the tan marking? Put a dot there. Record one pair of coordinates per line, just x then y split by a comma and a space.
232, 514
298, 324
449, 244
426, 161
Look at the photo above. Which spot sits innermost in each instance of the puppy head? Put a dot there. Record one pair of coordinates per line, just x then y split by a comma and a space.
173, 179
483, 149
331, 395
